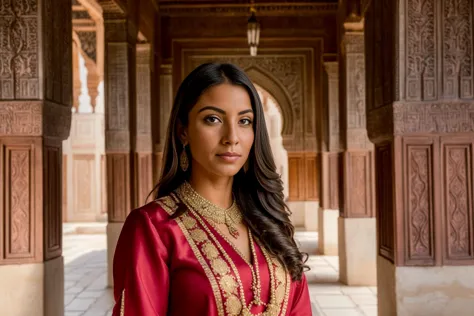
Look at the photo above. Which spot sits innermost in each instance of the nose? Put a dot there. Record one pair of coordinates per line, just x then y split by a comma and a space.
230, 135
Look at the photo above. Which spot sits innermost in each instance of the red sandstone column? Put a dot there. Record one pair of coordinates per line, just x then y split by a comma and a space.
143, 146
357, 234
120, 119
165, 106
35, 117
330, 165
420, 103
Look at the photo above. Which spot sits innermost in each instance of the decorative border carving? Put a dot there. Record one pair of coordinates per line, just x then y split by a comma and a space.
270, 9
88, 43
21, 118
35, 118
418, 117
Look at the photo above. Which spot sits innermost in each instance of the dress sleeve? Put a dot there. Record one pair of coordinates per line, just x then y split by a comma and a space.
141, 276
301, 303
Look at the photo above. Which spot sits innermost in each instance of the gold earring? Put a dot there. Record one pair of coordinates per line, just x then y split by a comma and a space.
183, 160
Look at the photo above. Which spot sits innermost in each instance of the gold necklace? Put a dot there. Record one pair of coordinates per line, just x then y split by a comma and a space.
254, 269
231, 217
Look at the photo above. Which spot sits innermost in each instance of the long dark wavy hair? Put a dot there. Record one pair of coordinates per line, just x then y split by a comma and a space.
259, 189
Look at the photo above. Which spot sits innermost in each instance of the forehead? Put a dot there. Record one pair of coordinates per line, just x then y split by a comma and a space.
226, 96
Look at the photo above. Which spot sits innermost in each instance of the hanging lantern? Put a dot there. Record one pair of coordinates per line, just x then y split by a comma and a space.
253, 32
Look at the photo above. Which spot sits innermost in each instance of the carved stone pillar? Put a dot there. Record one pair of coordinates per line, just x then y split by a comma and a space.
166, 104
143, 149
35, 117
120, 121
421, 119
330, 165
357, 234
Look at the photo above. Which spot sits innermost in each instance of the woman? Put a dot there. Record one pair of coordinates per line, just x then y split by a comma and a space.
217, 240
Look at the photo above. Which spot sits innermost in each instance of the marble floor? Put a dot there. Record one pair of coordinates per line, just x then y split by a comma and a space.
87, 293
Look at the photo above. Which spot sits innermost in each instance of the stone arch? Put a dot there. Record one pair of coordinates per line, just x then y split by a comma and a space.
273, 87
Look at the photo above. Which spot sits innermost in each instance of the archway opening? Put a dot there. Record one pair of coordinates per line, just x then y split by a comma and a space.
274, 124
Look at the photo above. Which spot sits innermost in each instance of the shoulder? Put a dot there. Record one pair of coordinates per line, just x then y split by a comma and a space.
158, 211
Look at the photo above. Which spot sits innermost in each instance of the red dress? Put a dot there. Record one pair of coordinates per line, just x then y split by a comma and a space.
183, 266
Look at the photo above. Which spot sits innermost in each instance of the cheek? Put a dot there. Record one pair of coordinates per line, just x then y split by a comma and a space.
247, 140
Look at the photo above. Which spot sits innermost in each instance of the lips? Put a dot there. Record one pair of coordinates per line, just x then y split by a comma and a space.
229, 154
229, 157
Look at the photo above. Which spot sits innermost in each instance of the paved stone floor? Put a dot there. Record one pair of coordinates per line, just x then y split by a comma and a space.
87, 294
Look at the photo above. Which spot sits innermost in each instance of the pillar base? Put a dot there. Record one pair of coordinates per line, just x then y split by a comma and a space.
436, 291
304, 214
33, 289
113, 234
327, 232
357, 251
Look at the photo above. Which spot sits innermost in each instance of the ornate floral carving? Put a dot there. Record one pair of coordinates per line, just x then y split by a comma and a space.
419, 215
19, 74
457, 49
421, 50
20, 208
88, 43
458, 199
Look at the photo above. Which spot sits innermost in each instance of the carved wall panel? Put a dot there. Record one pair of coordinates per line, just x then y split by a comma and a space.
118, 180
385, 209
458, 194
52, 213
311, 176
419, 215
84, 178
20, 174
296, 176
358, 182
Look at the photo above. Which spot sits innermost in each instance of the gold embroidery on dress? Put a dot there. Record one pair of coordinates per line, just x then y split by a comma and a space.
168, 204
220, 270
202, 261
122, 304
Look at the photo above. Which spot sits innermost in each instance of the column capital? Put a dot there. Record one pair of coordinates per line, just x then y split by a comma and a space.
332, 69
353, 42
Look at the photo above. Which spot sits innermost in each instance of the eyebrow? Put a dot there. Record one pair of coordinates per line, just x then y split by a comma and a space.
222, 111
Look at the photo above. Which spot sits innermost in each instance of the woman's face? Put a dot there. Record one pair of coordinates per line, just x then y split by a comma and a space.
220, 131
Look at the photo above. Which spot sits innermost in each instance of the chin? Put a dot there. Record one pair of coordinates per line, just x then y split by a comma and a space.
227, 171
